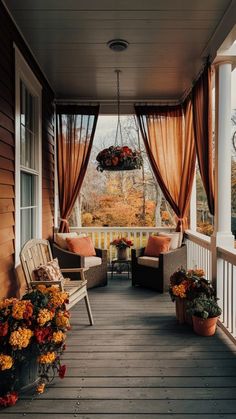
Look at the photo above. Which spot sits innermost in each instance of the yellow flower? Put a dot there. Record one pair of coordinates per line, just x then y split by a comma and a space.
6, 362
58, 337
20, 338
44, 316
40, 388
62, 319
47, 358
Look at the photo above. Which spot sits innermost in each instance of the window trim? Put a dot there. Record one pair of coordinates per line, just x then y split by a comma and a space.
24, 73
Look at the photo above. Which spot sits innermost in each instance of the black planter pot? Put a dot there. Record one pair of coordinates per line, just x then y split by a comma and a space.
22, 377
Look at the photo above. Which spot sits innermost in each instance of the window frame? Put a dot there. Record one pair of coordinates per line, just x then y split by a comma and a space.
23, 73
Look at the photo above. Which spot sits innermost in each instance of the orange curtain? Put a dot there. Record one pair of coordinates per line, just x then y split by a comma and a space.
75, 132
202, 123
168, 137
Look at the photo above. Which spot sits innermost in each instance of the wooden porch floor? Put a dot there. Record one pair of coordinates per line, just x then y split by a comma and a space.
137, 363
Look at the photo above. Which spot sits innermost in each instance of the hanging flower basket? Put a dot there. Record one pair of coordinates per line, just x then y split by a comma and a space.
117, 158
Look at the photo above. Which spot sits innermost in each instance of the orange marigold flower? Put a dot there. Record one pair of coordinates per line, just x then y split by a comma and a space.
7, 302
58, 299
42, 288
47, 358
62, 319
40, 388
44, 316
179, 291
196, 272
20, 338
22, 310
58, 337
6, 362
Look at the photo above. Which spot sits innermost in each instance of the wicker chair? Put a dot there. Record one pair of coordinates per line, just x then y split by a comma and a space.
157, 278
96, 276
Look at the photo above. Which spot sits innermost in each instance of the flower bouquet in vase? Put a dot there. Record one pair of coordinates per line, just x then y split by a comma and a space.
122, 244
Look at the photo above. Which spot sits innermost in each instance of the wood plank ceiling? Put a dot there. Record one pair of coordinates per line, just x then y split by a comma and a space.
168, 40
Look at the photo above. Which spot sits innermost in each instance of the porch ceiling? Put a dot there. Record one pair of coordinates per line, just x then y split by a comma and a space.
168, 41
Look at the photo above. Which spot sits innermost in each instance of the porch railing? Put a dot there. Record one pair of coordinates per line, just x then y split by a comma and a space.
103, 236
199, 253
226, 287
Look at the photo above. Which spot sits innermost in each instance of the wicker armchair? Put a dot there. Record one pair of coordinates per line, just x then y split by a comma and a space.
157, 278
96, 276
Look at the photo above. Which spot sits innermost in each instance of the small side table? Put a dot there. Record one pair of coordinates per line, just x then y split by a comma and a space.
126, 262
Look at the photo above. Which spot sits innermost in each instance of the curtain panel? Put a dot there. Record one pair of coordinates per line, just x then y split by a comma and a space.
202, 123
75, 132
168, 136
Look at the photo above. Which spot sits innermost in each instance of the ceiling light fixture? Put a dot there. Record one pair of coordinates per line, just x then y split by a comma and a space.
118, 45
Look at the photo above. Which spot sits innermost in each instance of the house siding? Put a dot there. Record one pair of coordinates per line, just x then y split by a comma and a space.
9, 35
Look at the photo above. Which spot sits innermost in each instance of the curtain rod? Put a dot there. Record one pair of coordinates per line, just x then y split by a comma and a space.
113, 102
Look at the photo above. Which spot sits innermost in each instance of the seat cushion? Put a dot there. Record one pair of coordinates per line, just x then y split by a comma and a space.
157, 245
150, 261
176, 239
60, 239
83, 246
91, 261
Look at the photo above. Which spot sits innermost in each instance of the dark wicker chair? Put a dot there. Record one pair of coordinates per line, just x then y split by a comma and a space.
157, 278
96, 275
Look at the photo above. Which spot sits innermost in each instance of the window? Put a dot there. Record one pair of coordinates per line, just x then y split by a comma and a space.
28, 155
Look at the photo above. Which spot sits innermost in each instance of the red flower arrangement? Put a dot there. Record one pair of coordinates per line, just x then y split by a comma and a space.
117, 158
33, 328
122, 243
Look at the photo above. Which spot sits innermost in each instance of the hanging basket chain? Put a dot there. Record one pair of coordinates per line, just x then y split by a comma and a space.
119, 157
118, 128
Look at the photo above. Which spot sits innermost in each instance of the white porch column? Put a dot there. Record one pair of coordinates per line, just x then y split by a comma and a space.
224, 237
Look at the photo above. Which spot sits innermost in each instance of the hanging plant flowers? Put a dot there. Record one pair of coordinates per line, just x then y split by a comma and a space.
117, 158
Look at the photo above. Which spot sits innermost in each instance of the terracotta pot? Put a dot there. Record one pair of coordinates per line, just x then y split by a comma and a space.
122, 254
204, 327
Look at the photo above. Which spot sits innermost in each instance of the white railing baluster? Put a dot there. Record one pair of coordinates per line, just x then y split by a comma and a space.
233, 299
99, 239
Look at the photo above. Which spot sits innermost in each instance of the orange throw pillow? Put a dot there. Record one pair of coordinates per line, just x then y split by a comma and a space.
81, 245
157, 245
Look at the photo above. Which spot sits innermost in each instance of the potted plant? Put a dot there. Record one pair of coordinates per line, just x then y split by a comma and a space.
186, 285
122, 244
32, 340
205, 312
